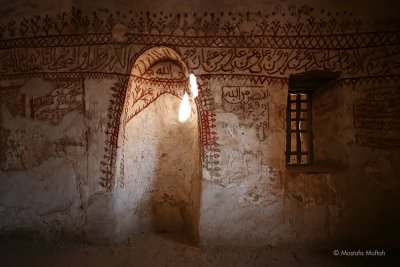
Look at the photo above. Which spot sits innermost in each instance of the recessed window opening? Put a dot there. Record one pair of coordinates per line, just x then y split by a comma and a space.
299, 137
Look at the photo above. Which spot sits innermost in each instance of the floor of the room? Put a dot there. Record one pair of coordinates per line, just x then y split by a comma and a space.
166, 251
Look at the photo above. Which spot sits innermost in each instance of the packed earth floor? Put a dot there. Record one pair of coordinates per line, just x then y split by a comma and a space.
168, 250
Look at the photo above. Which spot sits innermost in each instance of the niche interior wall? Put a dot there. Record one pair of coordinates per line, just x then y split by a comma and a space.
160, 167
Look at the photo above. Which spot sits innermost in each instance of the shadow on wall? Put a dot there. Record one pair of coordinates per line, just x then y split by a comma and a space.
174, 195
167, 190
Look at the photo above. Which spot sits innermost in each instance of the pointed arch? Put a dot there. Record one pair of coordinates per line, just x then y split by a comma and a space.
155, 54
139, 180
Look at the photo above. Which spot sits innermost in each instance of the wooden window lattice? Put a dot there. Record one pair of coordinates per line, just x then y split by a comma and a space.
298, 128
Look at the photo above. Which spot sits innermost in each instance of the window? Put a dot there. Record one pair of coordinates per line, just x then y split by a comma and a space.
298, 128
303, 87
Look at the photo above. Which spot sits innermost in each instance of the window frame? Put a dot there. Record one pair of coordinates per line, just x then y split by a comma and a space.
298, 152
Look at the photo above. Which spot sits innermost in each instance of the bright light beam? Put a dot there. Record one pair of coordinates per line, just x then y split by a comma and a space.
193, 85
184, 109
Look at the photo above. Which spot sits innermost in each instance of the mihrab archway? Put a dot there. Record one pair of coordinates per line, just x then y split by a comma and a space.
159, 157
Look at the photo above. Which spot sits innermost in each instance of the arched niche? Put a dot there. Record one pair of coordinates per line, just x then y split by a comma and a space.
158, 189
